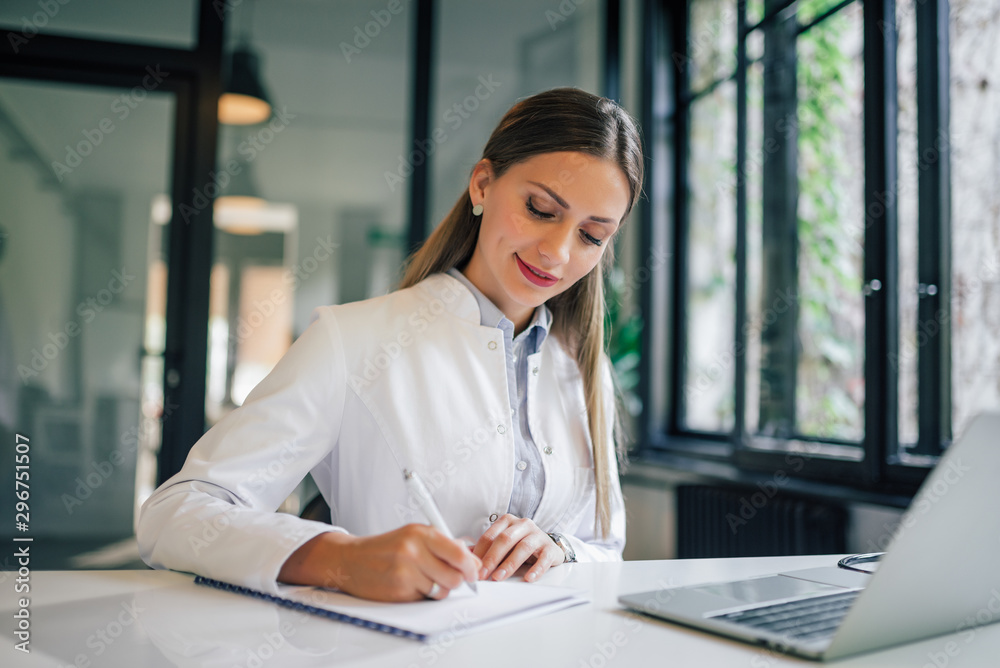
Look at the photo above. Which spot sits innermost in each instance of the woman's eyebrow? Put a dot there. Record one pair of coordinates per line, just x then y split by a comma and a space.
563, 203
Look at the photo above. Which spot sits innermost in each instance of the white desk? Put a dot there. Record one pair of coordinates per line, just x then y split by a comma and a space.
154, 618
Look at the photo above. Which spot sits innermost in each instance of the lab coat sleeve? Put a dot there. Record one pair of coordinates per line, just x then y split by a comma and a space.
586, 540
216, 517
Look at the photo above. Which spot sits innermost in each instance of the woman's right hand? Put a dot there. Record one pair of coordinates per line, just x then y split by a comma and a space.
401, 565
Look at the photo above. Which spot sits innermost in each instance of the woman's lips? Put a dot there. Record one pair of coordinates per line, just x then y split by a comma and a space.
540, 278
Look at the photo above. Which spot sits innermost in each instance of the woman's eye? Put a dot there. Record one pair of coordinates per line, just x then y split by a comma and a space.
590, 239
536, 212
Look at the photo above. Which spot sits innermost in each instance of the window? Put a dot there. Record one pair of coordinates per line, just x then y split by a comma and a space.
815, 307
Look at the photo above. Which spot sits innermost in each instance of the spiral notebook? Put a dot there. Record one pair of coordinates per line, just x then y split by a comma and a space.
497, 603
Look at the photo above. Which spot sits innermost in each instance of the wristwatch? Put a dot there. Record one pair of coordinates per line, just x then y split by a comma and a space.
566, 546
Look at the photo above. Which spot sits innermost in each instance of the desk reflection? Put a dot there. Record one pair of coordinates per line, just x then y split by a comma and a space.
192, 626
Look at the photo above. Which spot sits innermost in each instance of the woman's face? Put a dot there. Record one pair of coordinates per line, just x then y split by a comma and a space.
545, 225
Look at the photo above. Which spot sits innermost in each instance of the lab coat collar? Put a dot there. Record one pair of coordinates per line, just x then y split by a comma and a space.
452, 295
491, 316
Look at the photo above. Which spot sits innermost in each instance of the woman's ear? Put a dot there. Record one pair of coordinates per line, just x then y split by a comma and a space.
482, 176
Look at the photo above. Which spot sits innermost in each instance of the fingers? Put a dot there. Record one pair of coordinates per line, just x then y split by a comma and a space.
550, 557
433, 590
404, 564
455, 554
494, 545
534, 547
450, 563
512, 541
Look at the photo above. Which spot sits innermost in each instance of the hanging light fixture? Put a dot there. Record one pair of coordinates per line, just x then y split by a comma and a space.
237, 202
241, 209
244, 99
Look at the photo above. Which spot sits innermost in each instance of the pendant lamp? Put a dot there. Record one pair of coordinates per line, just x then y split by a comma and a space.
236, 204
244, 99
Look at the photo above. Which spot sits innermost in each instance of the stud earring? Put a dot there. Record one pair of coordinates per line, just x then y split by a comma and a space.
477, 210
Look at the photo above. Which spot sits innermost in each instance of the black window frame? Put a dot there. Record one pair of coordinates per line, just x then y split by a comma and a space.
883, 474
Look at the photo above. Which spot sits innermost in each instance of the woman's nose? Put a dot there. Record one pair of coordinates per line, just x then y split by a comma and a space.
556, 243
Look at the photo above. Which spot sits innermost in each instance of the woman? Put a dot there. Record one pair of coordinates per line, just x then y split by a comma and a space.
484, 372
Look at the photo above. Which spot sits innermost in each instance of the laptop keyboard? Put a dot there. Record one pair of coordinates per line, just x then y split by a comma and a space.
805, 619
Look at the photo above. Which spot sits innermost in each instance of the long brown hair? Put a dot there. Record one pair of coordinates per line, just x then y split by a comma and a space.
562, 119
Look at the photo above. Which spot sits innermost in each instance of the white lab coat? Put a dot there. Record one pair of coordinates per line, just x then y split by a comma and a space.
408, 380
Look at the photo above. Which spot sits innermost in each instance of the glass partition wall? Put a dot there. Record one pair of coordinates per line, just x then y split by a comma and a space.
82, 293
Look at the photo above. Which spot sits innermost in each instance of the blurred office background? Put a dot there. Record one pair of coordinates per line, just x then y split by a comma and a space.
805, 310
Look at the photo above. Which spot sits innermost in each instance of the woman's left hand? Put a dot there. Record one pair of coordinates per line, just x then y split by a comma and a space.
513, 541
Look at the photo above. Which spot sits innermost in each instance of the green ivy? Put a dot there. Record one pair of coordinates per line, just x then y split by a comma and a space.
829, 257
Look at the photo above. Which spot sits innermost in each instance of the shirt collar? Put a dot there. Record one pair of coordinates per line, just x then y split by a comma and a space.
491, 316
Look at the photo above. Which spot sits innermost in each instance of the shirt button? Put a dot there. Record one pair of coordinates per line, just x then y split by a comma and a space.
534, 371
548, 450
492, 345
513, 411
493, 517
501, 428
521, 465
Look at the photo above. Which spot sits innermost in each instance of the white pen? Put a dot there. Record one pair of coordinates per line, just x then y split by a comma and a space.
423, 497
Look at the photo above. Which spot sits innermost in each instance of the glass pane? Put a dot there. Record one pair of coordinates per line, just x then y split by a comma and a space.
906, 362
327, 222
830, 384
712, 41
809, 10
804, 176
772, 223
82, 291
710, 359
137, 21
975, 201
530, 47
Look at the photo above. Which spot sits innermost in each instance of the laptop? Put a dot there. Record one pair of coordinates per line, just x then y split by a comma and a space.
939, 574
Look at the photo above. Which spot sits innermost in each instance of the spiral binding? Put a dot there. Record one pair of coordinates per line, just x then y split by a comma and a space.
295, 605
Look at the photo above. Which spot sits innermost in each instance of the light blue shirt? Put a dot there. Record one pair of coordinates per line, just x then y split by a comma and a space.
529, 476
